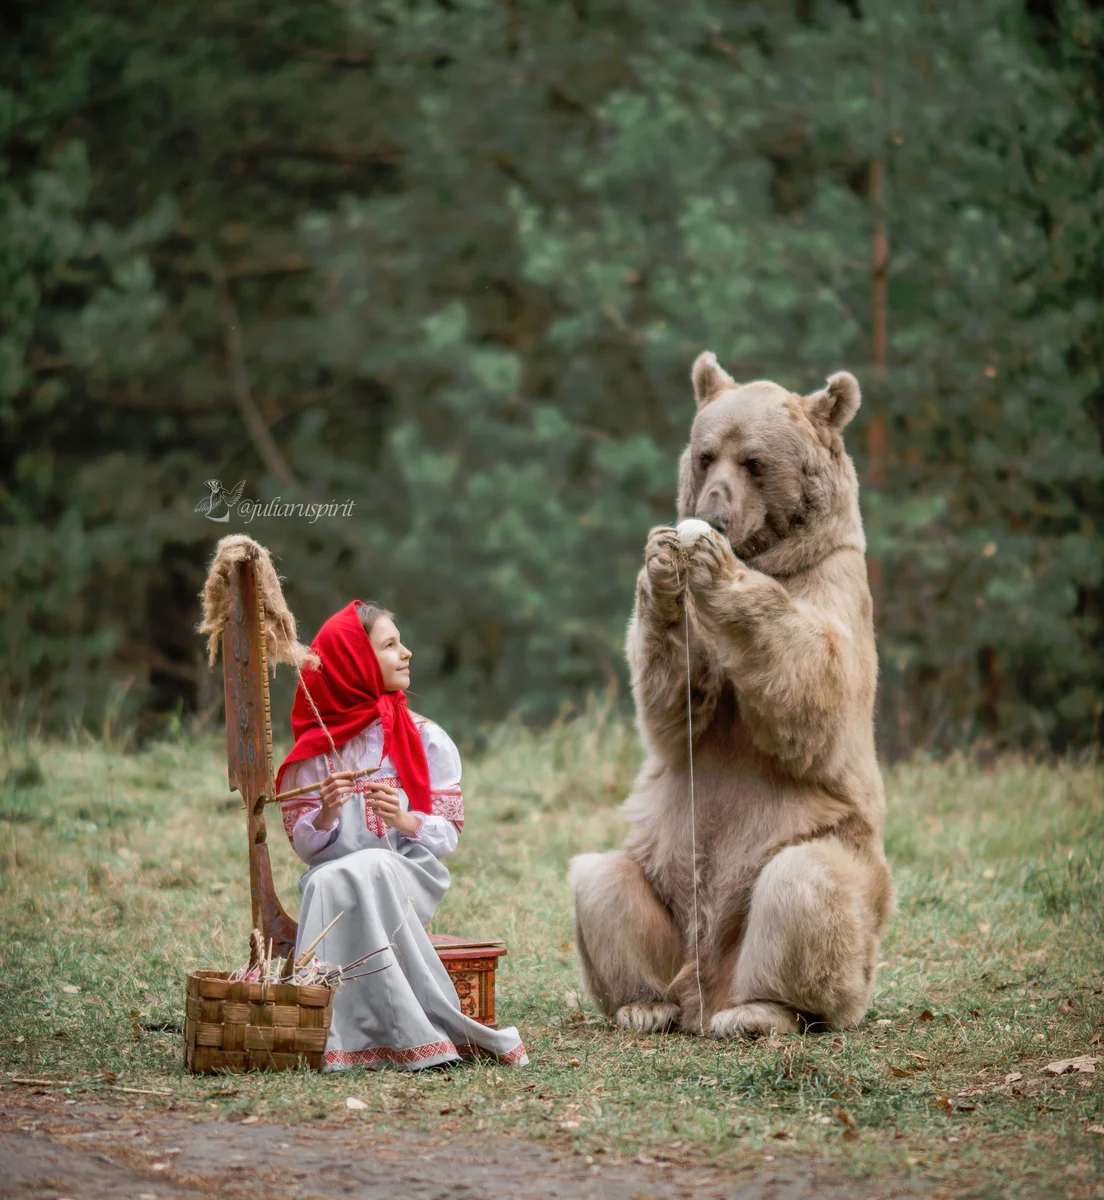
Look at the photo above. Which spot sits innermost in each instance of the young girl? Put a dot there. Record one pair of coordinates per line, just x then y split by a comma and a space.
374, 847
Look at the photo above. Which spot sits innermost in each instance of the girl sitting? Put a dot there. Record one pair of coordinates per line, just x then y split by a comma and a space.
374, 846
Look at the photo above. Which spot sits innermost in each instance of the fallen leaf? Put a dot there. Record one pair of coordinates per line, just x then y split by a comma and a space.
917, 1055
926, 1015
573, 1062
71, 989
983, 926
1084, 1064
355, 1104
571, 999
446, 1109
966, 1106
250, 1120
1095, 1039
843, 1115
944, 1102
783, 1135
901, 1072
1013, 1077
837, 1045
1095, 1129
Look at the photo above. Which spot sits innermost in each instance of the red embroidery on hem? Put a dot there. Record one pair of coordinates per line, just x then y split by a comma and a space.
387, 1054
515, 1057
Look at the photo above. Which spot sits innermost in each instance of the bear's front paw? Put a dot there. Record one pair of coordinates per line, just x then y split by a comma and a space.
711, 562
653, 1017
666, 578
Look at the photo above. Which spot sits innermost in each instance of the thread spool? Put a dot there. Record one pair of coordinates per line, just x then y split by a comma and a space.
691, 529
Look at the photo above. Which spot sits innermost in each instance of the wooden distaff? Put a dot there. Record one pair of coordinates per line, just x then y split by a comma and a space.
249, 742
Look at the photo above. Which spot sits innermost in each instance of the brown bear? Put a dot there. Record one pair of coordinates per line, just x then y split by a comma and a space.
793, 889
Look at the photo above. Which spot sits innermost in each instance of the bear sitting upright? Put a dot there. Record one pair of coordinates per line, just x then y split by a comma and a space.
793, 889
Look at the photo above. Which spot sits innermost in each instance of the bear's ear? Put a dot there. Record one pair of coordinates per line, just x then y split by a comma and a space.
709, 378
834, 406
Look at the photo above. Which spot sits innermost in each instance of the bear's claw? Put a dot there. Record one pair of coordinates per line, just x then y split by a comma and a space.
647, 1018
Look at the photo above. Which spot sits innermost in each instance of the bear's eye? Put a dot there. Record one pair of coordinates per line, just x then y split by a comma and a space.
705, 460
754, 467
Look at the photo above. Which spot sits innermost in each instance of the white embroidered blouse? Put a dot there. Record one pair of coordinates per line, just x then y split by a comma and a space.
440, 829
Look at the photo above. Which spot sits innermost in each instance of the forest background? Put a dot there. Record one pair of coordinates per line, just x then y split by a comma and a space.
452, 260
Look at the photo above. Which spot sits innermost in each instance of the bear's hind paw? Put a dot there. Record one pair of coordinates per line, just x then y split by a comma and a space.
753, 1020
647, 1018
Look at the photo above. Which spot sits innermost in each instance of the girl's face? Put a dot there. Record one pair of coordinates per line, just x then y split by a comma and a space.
394, 657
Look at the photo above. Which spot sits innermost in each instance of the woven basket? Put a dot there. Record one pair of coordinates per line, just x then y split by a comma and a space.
253, 1026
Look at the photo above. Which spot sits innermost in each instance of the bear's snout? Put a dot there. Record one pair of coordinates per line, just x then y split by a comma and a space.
713, 518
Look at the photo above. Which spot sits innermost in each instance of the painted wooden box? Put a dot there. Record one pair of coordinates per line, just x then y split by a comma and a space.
472, 969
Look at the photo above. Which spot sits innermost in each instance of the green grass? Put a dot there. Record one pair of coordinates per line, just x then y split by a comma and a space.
118, 872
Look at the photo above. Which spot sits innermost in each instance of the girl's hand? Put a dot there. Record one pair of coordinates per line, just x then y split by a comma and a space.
384, 802
334, 790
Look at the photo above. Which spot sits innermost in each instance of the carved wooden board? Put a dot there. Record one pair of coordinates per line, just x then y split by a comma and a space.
249, 747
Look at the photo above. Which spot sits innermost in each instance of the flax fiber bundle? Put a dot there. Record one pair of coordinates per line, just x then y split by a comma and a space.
282, 640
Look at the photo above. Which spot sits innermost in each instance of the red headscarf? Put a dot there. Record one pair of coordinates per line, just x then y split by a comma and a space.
348, 693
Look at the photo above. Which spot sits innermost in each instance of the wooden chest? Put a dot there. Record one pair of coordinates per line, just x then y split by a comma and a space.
472, 968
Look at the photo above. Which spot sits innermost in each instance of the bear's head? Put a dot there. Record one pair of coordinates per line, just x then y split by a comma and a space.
767, 468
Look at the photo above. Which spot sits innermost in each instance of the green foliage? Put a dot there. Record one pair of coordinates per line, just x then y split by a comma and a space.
470, 251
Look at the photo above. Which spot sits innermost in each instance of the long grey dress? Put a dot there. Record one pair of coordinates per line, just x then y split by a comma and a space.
388, 887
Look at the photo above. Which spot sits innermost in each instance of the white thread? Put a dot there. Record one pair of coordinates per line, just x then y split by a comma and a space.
693, 811
318, 717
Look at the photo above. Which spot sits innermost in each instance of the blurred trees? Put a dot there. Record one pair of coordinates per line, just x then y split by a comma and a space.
453, 260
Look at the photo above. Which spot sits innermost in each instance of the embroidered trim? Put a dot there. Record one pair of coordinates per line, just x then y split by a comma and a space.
373, 822
293, 810
448, 803
387, 1054
516, 1057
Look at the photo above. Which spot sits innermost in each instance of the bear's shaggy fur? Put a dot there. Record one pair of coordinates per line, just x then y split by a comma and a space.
793, 885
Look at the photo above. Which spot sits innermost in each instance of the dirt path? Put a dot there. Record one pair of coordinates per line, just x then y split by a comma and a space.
78, 1151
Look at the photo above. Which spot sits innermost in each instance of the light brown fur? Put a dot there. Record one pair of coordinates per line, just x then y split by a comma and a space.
793, 886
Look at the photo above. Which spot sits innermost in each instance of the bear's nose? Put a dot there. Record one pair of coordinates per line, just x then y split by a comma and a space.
713, 518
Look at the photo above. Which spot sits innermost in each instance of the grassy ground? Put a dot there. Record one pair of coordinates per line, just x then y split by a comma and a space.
118, 872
